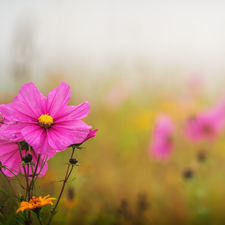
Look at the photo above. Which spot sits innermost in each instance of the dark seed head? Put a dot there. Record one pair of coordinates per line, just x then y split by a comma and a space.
27, 158
188, 173
22, 198
73, 161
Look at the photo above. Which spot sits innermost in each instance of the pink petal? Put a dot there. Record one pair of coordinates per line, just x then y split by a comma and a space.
7, 146
13, 131
13, 165
17, 112
58, 98
73, 112
79, 129
49, 154
91, 134
60, 138
79, 135
33, 99
9, 156
36, 136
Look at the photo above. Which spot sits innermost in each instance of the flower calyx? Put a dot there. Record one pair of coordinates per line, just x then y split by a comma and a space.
27, 163
77, 146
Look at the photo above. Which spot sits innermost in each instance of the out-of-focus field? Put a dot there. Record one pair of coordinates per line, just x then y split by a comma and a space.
118, 182
132, 61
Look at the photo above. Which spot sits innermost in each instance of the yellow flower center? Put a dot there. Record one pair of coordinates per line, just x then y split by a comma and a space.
45, 120
34, 201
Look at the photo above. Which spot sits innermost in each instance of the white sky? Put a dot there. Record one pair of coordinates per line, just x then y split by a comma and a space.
190, 33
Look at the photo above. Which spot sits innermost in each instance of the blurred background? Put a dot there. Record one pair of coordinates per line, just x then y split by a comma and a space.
133, 61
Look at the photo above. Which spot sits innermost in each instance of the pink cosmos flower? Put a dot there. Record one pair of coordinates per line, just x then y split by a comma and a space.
45, 123
10, 157
205, 126
162, 140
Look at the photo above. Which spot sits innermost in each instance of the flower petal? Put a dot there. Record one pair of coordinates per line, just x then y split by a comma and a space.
36, 136
79, 129
60, 138
9, 156
32, 98
91, 134
13, 131
73, 112
17, 112
58, 98
49, 154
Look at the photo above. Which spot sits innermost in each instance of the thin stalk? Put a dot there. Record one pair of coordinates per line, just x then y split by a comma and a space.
9, 183
10, 170
26, 176
28, 182
63, 186
39, 219
33, 176
5, 216
62, 189
70, 172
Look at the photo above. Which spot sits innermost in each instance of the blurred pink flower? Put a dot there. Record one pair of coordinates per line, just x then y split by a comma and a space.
116, 96
162, 139
196, 81
45, 123
10, 157
205, 126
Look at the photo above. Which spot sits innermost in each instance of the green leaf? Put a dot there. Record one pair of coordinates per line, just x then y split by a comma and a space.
71, 180
8, 196
80, 148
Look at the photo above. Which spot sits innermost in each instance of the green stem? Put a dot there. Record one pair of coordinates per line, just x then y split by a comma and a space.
26, 176
5, 216
33, 176
63, 186
39, 219
9, 183
70, 172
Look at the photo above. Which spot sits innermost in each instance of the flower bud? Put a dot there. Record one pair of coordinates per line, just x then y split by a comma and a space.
27, 158
22, 198
73, 161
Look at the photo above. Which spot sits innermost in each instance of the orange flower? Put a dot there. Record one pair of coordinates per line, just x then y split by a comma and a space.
35, 203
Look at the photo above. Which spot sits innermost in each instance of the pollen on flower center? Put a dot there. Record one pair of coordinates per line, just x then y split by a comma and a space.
45, 120
34, 201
